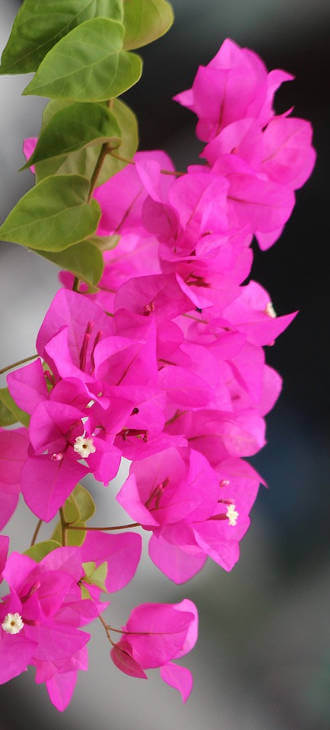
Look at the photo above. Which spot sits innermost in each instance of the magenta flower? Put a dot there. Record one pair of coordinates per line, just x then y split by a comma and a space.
154, 635
234, 85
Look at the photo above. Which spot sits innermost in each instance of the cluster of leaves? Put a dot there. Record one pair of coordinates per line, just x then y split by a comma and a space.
81, 53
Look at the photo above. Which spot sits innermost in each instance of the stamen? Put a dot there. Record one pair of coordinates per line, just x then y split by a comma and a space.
13, 623
138, 432
84, 346
195, 280
148, 309
96, 342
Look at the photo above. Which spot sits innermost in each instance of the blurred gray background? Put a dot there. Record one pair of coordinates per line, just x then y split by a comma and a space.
263, 658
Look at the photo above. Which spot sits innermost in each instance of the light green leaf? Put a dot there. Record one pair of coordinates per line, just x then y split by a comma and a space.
88, 64
82, 162
41, 549
40, 24
85, 502
96, 576
6, 416
83, 259
145, 21
53, 215
71, 510
9, 412
73, 128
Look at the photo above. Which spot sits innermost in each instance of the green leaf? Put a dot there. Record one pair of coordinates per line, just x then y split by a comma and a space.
88, 64
85, 502
40, 24
78, 508
83, 161
83, 259
6, 416
53, 215
96, 576
9, 412
145, 21
41, 549
73, 128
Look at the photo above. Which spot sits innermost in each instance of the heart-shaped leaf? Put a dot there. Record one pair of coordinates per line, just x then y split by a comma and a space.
82, 162
83, 259
88, 64
41, 549
53, 215
73, 128
40, 24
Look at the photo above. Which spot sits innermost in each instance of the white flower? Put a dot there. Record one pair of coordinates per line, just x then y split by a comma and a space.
232, 515
84, 446
13, 623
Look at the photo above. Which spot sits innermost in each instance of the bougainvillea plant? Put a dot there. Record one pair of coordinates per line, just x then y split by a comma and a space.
153, 348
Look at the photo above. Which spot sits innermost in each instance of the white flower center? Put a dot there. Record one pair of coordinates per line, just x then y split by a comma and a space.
270, 310
232, 515
84, 446
13, 623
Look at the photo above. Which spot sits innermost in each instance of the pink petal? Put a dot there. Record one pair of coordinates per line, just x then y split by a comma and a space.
178, 677
173, 561
60, 689
28, 386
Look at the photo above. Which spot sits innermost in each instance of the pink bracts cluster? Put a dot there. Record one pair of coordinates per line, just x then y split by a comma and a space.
163, 365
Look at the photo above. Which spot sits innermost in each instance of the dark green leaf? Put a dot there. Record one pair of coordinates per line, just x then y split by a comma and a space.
88, 64
9, 412
53, 215
145, 21
83, 259
40, 24
73, 128
41, 549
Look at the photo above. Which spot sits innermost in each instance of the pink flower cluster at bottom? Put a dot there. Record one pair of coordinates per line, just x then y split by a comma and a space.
164, 365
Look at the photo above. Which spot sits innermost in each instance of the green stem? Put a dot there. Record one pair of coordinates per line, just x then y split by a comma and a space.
19, 362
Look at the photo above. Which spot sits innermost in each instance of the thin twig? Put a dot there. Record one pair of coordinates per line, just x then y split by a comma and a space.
106, 629
19, 362
104, 529
36, 532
